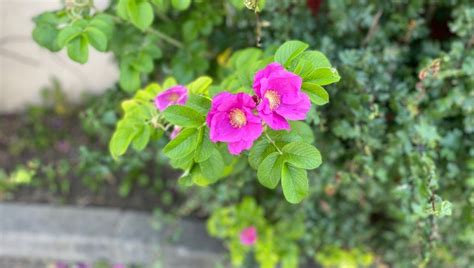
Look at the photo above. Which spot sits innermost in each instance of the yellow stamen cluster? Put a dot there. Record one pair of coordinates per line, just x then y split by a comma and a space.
273, 98
237, 118
173, 97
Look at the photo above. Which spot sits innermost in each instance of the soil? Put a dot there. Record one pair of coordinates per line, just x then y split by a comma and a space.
19, 140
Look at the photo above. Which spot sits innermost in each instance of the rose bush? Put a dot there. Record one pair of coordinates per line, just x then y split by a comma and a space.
209, 119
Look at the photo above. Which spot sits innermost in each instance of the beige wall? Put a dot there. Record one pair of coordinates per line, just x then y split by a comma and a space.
22, 79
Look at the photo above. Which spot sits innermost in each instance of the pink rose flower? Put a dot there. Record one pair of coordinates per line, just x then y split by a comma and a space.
174, 95
175, 132
248, 236
231, 120
280, 95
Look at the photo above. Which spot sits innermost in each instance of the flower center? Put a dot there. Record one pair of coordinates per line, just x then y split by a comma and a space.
237, 118
273, 98
173, 97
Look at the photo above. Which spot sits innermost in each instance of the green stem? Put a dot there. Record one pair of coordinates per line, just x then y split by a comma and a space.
258, 26
273, 142
162, 35
165, 37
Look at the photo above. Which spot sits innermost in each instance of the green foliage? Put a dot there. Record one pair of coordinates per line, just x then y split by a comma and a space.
332, 256
183, 116
396, 185
55, 31
20, 176
276, 242
136, 125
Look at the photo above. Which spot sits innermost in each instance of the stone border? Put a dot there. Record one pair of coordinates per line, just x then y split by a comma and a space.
90, 234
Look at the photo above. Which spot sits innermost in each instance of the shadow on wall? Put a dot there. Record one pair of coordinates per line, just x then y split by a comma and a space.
25, 67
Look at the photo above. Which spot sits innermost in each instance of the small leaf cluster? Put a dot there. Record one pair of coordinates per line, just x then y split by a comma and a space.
55, 31
126, 28
276, 242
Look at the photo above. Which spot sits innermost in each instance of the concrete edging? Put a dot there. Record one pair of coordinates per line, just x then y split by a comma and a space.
91, 234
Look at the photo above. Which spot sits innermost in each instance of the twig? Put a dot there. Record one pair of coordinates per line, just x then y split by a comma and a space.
164, 36
373, 28
258, 28
434, 227
470, 43
273, 142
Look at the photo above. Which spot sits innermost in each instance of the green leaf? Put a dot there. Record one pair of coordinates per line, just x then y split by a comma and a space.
144, 95
200, 85
142, 63
446, 209
153, 89
183, 144
269, 171
96, 38
185, 181
316, 58
190, 31
244, 57
67, 34
169, 82
158, 3
121, 139
184, 162
181, 4
238, 4
303, 130
303, 68
302, 155
290, 258
129, 78
282, 137
213, 167
199, 178
122, 9
324, 76
142, 138
45, 35
288, 51
183, 116
162, 6
78, 49
205, 147
81, 23
104, 23
153, 51
141, 14
199, 103
129, 105
259, 151
294, 182
317, 94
